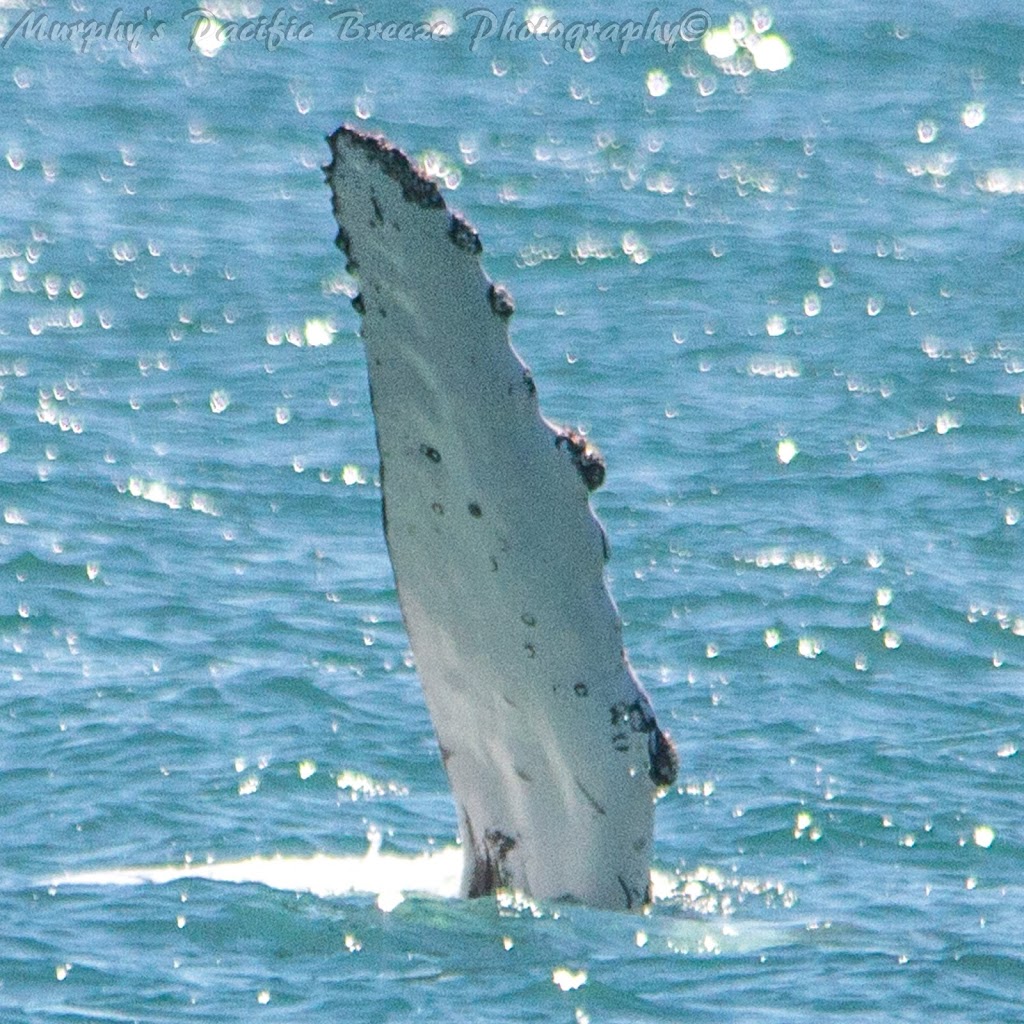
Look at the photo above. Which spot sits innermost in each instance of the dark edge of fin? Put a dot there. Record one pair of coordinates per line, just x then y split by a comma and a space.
417, 188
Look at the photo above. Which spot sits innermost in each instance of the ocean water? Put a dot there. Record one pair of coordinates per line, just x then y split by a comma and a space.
786, 305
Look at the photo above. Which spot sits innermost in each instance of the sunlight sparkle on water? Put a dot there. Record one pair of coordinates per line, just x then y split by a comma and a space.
590, 248
363, 107
359, 785
436, 166
809, 561
443, 23
973, 115
742, 45
658, 82
538, 19
208, 36
808, 647
1002, 181
984, 836
202, 503
567, 979
318, 333
634, 248
773, 366
771, 53
719, 42
786, 451
153, 490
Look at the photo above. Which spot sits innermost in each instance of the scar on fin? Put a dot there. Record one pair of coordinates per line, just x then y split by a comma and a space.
587, 458
590, 800
633, 897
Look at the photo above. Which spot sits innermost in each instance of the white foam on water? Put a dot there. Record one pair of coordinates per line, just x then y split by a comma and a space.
685, 917
387, 876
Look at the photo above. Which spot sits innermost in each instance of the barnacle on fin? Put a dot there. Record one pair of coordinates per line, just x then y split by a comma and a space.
501, 301
463, 235
589, 461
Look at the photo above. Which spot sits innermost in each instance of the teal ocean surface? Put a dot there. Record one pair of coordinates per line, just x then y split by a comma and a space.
785, 303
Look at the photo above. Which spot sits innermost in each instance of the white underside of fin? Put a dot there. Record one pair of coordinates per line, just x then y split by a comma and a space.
548, 740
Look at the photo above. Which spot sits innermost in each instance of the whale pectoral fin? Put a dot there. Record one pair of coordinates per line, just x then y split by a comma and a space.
548, 740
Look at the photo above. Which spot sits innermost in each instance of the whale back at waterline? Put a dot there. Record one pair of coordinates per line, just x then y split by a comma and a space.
549, 741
